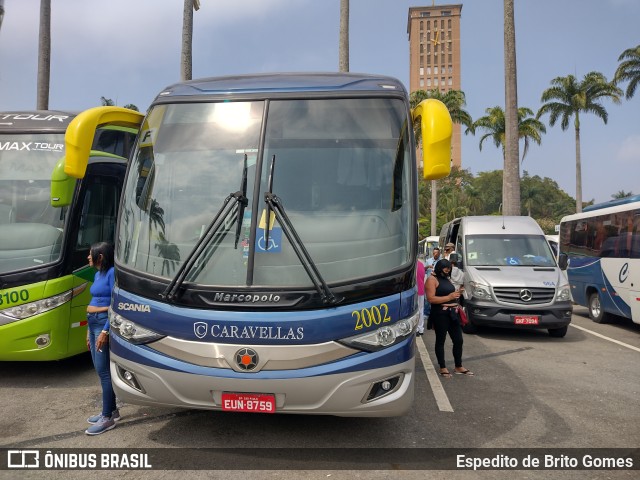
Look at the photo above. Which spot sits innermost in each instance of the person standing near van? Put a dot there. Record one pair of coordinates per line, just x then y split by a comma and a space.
443, 297
448, 250
101, 257
435, 256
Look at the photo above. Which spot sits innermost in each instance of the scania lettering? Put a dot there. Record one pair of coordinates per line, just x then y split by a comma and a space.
44, 275
134, 307
294, 293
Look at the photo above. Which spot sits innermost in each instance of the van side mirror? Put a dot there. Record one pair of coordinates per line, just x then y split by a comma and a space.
563, 261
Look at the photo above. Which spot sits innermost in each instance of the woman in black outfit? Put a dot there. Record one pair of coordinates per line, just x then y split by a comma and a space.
443, 297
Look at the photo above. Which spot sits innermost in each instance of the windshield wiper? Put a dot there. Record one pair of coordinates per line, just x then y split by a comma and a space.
274, 204
242, 201
237, 199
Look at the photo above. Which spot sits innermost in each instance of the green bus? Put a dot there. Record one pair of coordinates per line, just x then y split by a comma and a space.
44, 239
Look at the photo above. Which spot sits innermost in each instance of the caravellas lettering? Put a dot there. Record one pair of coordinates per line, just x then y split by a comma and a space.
249, 332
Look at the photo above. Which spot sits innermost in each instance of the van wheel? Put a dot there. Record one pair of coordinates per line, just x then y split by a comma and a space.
596, 313
470, 328
558, 332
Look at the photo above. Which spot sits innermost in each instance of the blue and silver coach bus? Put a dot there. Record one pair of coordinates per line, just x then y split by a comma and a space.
603, 245
266, 244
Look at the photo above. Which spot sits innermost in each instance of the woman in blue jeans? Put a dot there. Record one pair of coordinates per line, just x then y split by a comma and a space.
101, 257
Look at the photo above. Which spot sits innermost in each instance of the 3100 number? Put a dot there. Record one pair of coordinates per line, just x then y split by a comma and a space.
14, 297
371, 316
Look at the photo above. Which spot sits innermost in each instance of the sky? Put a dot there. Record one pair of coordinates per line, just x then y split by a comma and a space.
129, 50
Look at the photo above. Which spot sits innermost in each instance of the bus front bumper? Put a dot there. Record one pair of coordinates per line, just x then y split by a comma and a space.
338, 389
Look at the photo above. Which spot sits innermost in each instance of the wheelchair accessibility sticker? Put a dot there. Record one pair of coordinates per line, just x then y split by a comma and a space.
275, 241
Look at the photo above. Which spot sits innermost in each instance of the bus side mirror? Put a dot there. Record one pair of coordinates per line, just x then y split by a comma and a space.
62, 186
436, 127
563, 261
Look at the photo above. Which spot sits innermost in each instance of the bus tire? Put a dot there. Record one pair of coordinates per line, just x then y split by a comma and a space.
596, 313
558, 332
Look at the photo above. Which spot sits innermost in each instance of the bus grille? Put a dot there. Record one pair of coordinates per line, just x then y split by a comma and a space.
518, 294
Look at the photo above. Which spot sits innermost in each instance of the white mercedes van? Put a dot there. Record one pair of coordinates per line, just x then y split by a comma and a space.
511, 276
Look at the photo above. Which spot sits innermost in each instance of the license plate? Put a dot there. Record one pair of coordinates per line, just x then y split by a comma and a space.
249, 402
526, 319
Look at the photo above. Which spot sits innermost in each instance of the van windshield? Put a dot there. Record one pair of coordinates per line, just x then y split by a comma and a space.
513, 250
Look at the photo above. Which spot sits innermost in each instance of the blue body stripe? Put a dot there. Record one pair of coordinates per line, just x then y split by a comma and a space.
279, 327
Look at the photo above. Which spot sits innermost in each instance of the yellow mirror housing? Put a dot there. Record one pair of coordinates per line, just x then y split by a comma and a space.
437, 128
79, 136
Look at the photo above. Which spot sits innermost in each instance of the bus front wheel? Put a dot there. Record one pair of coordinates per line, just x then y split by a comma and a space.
596, 312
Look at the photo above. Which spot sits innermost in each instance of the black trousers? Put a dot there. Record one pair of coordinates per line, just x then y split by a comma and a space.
443, 323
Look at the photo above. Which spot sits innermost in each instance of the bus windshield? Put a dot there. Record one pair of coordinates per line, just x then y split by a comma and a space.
30, 228
341, 171
513, 250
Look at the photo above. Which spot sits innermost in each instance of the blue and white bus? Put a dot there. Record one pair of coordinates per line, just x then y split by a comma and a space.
603, 245
266, 244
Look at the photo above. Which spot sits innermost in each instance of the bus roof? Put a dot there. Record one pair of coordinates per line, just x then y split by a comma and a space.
612, 203
35, 121
274, 83
605, 210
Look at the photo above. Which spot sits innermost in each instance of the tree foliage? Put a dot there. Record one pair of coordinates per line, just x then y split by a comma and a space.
107, 102
629, 70
463, 194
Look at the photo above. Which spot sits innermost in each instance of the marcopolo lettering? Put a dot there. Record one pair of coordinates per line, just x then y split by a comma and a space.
134, 307
246, 298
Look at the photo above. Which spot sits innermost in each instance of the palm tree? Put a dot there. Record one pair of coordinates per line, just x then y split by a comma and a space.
187, 38
107, 102
169, 251
44, 55
1, 12
511, 176
455, 102
629, 70
530, 195
621, 194
568, 97
494, 123
156, 221
343, 53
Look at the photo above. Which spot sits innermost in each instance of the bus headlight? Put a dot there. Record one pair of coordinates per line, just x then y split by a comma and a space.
478, 290
564, 294
40, 306
131, 331
384, 336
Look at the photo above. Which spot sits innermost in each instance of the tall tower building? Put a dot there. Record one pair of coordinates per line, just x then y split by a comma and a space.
434, 55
